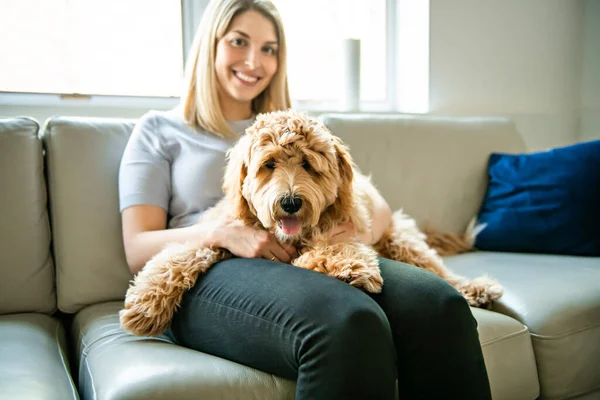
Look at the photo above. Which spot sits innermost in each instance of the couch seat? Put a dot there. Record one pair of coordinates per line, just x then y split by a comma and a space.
558, 299
33, 358
116, 365
508, 356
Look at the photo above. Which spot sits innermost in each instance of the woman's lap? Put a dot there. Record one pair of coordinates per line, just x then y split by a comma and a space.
263, 314
262, 306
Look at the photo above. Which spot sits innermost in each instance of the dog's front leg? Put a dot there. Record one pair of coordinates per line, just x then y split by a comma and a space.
157, 289
351, 262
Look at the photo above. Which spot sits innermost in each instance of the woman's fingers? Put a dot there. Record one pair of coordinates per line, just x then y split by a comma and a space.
270, 249
342, 231
270, 256
282, 253
292, 251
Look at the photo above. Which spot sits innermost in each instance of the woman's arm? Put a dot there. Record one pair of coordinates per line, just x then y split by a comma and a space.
145, 234
381, 219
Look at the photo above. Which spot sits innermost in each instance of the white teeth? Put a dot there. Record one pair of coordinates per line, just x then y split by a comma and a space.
246, 78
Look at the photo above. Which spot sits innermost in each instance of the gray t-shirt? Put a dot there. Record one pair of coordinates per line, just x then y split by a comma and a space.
169, 164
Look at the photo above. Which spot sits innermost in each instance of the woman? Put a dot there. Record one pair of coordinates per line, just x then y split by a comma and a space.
334, 340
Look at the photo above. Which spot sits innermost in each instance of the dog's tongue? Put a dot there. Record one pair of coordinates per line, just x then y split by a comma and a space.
290, 225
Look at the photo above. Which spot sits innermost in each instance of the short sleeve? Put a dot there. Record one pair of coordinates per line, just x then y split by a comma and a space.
144, 174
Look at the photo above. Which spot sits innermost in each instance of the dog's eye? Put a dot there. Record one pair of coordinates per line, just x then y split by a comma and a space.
270, 164
306, 165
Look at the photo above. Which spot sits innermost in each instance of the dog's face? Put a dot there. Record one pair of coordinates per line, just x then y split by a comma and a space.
288, 171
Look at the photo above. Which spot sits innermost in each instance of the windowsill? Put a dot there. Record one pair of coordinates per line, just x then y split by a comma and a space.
77, 102
83, 101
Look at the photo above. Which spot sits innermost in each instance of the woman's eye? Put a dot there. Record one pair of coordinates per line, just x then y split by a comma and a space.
270, 51
238, 42
270, 164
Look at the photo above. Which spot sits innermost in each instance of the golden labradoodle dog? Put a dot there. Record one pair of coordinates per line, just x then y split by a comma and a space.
289, 175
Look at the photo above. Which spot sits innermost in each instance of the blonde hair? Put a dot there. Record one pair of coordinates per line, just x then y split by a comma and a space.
200, 101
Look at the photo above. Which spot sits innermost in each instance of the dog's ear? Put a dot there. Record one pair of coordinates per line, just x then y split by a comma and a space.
344, 204
236, 171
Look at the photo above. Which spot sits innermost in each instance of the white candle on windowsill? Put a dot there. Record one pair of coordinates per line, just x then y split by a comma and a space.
350, 75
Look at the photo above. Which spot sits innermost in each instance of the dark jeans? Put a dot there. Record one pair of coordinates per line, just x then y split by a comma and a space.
336, 341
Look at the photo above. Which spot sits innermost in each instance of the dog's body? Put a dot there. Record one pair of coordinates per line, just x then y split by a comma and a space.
290, 176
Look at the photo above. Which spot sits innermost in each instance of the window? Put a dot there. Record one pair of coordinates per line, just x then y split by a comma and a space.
123, 48
315, 47
92, 47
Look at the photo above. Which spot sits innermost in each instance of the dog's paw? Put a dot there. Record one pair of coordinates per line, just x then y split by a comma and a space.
369, 282
365, 278
141, 319
353, 263
481, 292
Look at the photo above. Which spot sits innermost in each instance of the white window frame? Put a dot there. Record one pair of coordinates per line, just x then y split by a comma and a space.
389, 104
191, 11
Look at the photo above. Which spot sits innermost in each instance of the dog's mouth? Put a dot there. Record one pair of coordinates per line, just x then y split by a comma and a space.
290, 225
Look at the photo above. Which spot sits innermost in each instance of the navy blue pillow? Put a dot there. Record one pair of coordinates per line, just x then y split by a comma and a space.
545, 202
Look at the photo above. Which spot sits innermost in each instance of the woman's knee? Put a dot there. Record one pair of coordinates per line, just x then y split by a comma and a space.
348, 317
347, 345
360, 315
450, 309
422, 297
454, 311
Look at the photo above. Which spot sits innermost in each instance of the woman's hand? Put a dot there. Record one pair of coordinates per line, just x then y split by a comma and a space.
342, 232
247, 242
347, 230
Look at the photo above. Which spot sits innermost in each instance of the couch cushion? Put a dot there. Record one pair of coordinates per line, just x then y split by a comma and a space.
558, 299
84, 153
417, 162
543, 202
83, 156
508, 356
26, 269
33, 359
116, 365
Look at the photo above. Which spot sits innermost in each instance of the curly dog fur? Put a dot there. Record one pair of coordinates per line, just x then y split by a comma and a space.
289, 175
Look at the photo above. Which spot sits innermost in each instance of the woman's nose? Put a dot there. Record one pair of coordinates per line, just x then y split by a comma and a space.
252, 58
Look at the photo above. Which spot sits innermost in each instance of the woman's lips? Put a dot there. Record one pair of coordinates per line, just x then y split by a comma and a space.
247, 80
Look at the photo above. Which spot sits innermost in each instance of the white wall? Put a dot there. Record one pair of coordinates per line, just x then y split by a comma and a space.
590, 80
520, 58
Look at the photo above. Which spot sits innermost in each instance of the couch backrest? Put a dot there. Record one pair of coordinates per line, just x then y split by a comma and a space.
26, 268
83, 157
435, 168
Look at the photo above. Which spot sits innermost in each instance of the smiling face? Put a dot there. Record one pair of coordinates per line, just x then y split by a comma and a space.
288, 171
246, 61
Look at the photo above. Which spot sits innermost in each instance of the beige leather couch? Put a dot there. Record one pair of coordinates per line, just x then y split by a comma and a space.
541, 340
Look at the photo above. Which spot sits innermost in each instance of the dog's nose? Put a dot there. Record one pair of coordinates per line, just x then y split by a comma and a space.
291, 204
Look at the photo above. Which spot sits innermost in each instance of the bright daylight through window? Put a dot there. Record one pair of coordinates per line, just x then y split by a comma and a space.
315, 46
134, 47
103, 47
